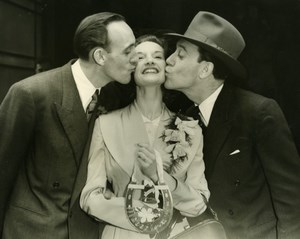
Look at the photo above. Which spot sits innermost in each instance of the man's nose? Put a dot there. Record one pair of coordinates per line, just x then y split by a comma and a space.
133, 58
170, 60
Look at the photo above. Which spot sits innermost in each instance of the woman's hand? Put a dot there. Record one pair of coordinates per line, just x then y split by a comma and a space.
147, 161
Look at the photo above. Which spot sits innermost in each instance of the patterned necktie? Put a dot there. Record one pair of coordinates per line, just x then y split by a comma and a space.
92, 105
194, 112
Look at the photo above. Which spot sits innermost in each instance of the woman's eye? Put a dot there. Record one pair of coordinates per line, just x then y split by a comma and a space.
159, 56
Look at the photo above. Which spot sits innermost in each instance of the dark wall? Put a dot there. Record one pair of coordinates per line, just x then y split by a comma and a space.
270, 28
19, 41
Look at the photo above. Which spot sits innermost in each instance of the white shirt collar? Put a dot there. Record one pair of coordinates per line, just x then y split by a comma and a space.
207, 105
85, 88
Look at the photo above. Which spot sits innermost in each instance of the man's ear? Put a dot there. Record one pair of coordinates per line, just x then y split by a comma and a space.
206, 69
99, 56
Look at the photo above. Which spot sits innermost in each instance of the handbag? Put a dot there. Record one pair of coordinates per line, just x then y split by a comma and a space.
199, 228
207, 229
149, 206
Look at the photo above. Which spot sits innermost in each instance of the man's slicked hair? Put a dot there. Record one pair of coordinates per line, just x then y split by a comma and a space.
92, 32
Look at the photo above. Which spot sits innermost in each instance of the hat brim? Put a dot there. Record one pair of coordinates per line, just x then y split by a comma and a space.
233, 65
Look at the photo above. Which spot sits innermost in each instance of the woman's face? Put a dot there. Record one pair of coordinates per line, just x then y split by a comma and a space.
150, 68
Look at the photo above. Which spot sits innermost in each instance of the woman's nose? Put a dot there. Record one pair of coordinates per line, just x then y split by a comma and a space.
149, 60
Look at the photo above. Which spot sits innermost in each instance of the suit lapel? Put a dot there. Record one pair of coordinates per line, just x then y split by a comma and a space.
127, 131
71, 113
218, 129
121, 131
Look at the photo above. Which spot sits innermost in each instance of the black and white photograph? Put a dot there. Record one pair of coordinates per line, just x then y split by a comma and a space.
157, 119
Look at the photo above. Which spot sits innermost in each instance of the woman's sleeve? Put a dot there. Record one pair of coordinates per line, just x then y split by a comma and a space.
188, 194
92, 200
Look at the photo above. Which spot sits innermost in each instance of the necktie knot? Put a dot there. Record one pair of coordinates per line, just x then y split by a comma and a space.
194, 112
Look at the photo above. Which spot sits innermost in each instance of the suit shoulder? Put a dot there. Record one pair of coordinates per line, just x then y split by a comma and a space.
252, 100
38, 81
44, 84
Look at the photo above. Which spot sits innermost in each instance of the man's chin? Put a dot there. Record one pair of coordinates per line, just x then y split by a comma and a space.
169, 85
125, 81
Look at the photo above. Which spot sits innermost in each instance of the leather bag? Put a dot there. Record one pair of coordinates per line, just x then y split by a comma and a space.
205, 226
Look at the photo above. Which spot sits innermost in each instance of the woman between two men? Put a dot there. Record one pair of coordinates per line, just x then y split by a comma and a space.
145, 145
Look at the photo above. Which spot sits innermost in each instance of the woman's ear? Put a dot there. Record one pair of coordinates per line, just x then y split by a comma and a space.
206, 69
99, 56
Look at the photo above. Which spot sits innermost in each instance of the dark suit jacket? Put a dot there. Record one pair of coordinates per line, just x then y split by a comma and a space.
252, 167
43, 133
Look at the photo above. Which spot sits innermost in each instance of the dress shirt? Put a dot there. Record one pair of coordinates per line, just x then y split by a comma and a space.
207, 105
85, 88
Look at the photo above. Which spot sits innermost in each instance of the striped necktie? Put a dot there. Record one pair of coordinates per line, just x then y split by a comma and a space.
92, 105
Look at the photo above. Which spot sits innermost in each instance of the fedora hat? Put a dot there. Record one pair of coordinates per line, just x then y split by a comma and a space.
217, 36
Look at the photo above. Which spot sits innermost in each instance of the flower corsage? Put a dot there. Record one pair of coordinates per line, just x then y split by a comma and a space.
177, 136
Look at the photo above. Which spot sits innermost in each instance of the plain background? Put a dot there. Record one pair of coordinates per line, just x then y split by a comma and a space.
34, 31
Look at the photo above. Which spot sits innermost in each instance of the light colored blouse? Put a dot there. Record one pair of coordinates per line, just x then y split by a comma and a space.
112, 157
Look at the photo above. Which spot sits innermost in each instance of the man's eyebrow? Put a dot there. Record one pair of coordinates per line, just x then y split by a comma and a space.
129, 47
181, 46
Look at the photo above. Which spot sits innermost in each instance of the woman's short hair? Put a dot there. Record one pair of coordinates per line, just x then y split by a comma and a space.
152, 38
129, 90
92, 32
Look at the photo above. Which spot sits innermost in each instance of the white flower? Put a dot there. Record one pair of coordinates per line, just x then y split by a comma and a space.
146, 215
175, 136
186, 126
179, 139
169, 148
178, 151
172, 135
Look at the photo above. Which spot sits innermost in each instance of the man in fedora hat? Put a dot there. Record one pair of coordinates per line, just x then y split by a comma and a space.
252, 165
